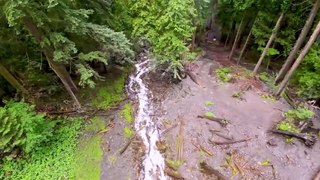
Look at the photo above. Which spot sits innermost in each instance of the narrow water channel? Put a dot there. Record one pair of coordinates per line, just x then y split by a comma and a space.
153, 162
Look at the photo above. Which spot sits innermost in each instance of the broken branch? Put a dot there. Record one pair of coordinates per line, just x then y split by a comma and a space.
227, 143
308, 140
201, 148
220, 135
169, 129
205, 168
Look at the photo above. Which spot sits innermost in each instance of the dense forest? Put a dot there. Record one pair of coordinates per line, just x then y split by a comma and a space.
65, 64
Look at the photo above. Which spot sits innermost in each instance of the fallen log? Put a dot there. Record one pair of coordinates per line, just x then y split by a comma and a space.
228, 142
308, 140
205, 168
221, 121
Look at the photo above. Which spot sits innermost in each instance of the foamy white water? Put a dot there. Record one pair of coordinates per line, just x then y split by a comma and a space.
153, 162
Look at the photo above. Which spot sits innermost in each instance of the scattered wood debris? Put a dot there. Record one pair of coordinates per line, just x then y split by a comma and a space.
222, 122
201, 148
205, 168
168, 129
217, 132
180, 141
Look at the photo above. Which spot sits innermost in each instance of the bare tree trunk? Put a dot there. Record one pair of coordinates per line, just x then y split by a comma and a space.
233, 31
297, 62
285, 68
271, 39
226, 42
247, 40
12, 80
244, 46
236, 40
58, 68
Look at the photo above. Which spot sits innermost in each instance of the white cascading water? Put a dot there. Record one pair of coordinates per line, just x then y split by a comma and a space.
153, 162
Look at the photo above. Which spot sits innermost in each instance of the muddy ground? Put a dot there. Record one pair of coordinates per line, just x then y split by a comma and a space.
263, 156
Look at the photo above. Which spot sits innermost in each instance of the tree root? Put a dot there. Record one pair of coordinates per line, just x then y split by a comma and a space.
205, 168
308, 140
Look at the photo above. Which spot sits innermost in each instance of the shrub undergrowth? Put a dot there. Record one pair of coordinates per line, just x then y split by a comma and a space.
51, 160
21, 128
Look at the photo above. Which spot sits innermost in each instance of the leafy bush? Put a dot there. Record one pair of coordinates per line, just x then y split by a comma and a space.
22, 128
223, 74
301, 114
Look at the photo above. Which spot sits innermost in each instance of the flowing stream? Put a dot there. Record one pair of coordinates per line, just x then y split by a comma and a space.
153, 163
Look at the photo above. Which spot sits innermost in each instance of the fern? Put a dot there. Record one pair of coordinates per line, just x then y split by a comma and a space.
22, 128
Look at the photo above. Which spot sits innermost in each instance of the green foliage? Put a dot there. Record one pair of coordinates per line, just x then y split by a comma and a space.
301, 114
58, 25
265, 163
88, 154
237, 94
128, 132
51, 160
22, 128
209, 115
307, 77
224, 74
111, 92
209, 103
126, 113
268, 79
268, 97
167, 25
287, 126
174, 164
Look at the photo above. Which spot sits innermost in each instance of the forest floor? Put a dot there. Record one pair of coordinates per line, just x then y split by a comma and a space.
250, 111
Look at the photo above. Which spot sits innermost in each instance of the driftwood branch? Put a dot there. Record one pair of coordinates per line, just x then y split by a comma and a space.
205, 168
221, 121
228, 142
308, 140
